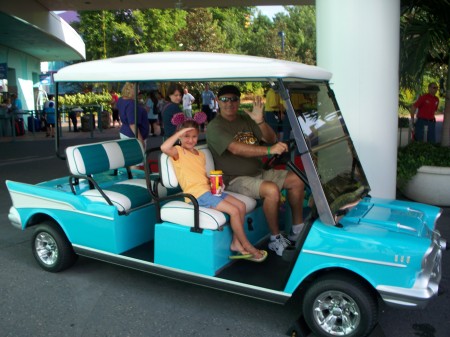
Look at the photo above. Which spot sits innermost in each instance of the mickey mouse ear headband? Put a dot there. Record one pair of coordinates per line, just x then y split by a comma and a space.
180, 118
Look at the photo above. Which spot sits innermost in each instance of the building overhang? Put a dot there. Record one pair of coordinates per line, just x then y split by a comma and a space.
43, 35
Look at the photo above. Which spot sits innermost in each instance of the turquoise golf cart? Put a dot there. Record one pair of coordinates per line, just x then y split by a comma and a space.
355, 254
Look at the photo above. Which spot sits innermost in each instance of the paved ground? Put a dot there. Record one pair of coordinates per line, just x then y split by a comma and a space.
98, 299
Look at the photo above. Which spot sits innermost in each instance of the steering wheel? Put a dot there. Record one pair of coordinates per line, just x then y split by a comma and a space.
285, 159
281, 159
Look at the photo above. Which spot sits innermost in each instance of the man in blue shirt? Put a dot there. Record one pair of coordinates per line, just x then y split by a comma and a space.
50, 116
208, 98
16, 103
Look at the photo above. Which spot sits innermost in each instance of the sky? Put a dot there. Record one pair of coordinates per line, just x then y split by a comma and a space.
270, 11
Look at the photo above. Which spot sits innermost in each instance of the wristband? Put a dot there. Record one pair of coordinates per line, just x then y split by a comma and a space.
268, 151
263, 121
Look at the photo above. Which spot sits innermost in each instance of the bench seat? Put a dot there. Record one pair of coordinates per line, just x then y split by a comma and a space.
182, 213
85, 161
125, 195
203, 251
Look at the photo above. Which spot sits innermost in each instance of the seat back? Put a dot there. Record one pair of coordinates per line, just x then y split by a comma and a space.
95, 158
169, 178
167, 172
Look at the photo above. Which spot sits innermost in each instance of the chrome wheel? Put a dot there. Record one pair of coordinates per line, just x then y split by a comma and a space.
51, 248
336, 313
340, 304
46, 248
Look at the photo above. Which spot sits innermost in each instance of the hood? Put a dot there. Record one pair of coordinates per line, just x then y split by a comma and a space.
395, 216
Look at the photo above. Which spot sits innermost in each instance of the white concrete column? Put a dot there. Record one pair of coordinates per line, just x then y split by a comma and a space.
358, 41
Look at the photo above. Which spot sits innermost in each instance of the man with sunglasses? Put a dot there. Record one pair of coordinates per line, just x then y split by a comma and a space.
426, 106
237, 143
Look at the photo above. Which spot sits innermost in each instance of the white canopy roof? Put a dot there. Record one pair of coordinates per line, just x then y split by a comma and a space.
188, 66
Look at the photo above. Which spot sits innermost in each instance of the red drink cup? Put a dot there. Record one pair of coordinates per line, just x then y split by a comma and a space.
215, 177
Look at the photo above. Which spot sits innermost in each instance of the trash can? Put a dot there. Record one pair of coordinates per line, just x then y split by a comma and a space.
86, 124
105, 120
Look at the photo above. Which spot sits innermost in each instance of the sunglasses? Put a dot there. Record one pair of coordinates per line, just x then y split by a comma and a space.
229, 99
434, 87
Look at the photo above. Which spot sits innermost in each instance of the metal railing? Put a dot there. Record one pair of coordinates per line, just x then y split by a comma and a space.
86, 110
8, 119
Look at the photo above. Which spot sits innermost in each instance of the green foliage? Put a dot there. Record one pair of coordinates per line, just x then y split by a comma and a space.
424, 50
425, 38
300, 29
120, 32
406, 99
159, 28
263, 38
115, 33
232, 22
260, 38
416, 154
85, 99
201, 33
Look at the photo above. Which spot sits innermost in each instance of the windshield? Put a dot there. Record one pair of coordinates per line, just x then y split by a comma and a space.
332, 153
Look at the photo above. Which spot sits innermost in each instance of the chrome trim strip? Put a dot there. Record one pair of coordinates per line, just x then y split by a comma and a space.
409, 297
185, 276
383, 263
408, 228
14, 218
67, 206
20, 203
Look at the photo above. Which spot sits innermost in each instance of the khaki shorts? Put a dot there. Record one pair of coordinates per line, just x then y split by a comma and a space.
250, 186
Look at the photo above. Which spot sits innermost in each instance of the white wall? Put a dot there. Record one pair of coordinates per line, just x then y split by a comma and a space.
359, 42
24, 66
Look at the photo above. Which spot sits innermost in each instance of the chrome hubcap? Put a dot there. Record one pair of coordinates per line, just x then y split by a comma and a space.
336, 313
46, 248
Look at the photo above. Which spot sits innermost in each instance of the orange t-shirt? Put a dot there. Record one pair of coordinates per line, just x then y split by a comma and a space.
191, 173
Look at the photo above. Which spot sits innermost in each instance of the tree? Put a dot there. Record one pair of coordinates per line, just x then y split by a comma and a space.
93, 28
117, 33
201, 32
234, 23
301, 32
260, 37
298, 26
160, 27
425, 44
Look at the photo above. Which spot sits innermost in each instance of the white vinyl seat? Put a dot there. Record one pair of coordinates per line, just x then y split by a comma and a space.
85, 161
182, 213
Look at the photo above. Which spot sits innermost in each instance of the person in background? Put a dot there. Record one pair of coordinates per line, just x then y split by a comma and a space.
234, 140
130, 124
189, 165
50, 116
16, 103
115, 111
298, 101
151, 106
6, 104
188, 99
160, 107
215, 109
73, 118
171, 107
208, 102
272, 109
426, 107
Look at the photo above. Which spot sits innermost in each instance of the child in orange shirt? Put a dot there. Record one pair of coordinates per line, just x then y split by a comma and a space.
189, 165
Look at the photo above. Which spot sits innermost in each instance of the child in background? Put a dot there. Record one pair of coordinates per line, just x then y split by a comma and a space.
189, 165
